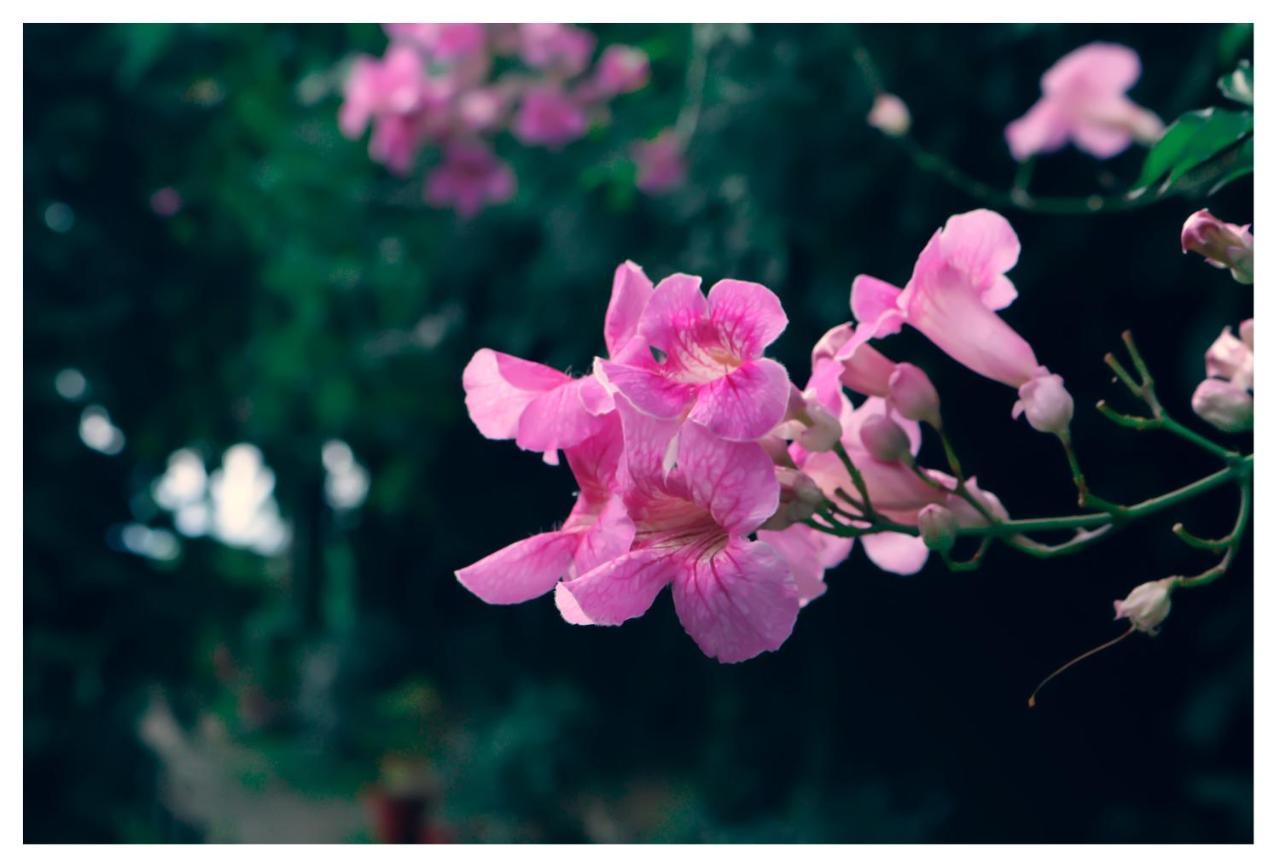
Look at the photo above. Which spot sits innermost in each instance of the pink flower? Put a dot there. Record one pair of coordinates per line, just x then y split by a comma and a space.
660, 163
562, 47
889, 114
1084, 101
952, 297
809, 554
443, 41
1225, 398
735, 597
542, 409
1147, 606
166, 202
470, 177
1223, 245
549, 116
597, 530
864, 370
621, 69
484, 109
395, 84
709, 364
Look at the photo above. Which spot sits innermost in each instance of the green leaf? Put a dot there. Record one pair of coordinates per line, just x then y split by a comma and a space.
1238, 85
1192, 140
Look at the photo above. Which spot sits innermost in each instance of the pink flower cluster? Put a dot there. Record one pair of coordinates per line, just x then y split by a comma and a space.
436, 87
700, 463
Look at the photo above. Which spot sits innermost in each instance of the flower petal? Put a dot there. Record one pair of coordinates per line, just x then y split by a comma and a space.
523, 570
555, 420
809, 554
745, 404
980, 244
617, 590
650, 392
609, 538
631, 292
896, 553
1043, 129
500, 387
675, 309
748, 314
737, 603
734, 482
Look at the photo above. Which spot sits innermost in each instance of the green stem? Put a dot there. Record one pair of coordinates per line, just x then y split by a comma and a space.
1234, 539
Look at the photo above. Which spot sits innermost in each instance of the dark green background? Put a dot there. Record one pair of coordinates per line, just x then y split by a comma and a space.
277, 309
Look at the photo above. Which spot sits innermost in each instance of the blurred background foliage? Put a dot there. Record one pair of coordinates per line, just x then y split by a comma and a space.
338, 684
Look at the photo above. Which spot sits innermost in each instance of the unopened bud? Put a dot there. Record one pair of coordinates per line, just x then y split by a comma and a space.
937, 527
1147, 606
889, 114
1224, 245
798, 500
824, 430
1047, 404
913, 395
884, 439
1223, 405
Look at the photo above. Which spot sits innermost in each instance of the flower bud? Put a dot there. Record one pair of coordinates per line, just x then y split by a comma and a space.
889, 114
937, 527
622, 69
1223, 405
824, 431
1224, 245
1230, 358
798, 500
913, 395
884, 439
1147, 606
867, 371
1047, 404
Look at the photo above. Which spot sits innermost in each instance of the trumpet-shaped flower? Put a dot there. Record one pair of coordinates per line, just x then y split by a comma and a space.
955, 289
1084, 102
597, 530
736, 597
543, 409
700, 357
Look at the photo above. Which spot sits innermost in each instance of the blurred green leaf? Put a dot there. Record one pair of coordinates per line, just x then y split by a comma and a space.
1193, 139
1238, 85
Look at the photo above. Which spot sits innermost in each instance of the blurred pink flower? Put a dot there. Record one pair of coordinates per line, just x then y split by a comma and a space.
394, 84
469, 178
561, 47
166, 202
955, 289
710, 365
597, 530
550, 117
1223, 245
1084, 101
660, 163
621, 69
442, 41
736, 597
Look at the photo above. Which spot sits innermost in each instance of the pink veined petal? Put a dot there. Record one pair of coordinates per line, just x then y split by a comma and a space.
1042, 129
675, 309
896, 553
523, 570
824, 383
618, 590
749, 315
500, 387
631, 292
981, 244
650, 392
595, 461
609, 538
745, 404
555, 420
737, 603
1097, 68
809, 555
734, 482
646, 443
